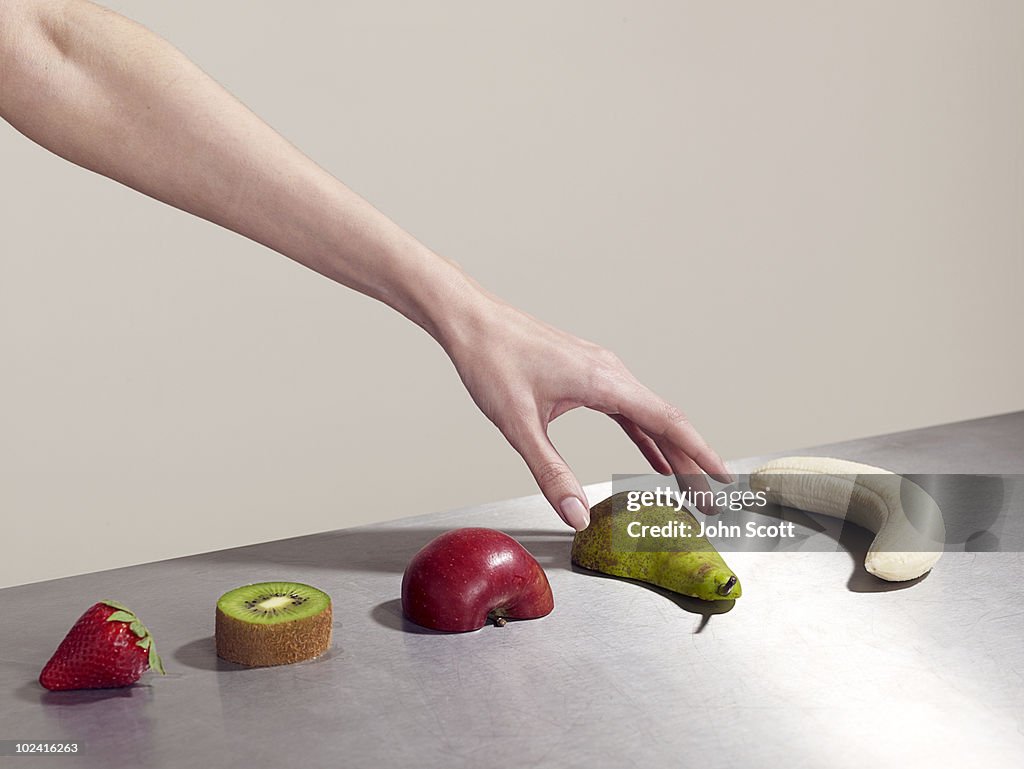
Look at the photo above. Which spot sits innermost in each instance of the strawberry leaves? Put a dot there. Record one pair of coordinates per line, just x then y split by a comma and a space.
124, 614
155, 662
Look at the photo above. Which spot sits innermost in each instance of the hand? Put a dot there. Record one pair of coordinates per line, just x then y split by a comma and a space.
523, 374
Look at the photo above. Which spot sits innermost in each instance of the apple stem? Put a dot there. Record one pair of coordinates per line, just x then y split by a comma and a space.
498, 620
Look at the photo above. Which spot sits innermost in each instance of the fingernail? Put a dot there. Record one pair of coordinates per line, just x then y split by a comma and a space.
708, 509
575, 513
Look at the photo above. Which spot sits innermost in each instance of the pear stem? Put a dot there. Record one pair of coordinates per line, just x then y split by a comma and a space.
728, 586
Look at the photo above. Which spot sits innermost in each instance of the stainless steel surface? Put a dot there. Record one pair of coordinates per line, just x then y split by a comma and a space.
817, 664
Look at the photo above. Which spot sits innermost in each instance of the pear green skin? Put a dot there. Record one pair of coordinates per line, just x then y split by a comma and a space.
693, 567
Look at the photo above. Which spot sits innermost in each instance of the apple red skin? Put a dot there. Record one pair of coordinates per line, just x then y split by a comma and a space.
464, 575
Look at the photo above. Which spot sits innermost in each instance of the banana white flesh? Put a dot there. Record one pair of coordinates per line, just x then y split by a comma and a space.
906, 520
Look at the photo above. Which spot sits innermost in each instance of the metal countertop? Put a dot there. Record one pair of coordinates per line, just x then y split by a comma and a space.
817, 664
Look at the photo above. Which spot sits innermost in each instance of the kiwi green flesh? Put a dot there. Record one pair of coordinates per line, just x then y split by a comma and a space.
270, 603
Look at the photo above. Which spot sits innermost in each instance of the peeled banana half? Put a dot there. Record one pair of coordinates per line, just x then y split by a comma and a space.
906, 520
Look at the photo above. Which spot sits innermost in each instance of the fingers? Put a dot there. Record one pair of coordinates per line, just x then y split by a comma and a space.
645, 443
688, 476
691, 480
556, 481
670, 430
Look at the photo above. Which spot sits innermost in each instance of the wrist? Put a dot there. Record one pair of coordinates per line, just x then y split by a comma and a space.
446, 302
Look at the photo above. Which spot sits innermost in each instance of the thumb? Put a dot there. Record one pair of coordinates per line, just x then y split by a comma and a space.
556, 481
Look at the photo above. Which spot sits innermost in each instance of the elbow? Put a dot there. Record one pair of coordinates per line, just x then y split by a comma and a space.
18, 18
16, 22
27, 10
21, 19
15, 14
25, 26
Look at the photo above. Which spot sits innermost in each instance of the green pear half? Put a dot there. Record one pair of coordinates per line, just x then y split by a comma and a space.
686, 563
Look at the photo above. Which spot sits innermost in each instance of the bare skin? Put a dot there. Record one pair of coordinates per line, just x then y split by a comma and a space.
111, 96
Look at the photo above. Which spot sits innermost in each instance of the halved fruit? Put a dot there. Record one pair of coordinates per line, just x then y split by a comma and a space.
273, 623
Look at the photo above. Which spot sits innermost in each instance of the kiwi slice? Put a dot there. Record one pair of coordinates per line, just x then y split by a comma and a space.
273, 623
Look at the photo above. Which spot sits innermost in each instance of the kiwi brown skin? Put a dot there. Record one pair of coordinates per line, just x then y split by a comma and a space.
264, 645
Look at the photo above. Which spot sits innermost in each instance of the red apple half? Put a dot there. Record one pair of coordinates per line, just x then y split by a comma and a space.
465, 576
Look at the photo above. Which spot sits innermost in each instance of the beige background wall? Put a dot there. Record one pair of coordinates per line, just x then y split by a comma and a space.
799, 221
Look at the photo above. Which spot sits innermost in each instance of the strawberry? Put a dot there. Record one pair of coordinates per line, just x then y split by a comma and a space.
106, 648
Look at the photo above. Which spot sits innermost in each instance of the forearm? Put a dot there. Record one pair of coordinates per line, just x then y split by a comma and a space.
108, 95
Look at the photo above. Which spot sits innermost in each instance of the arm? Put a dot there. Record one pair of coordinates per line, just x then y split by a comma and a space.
108, 95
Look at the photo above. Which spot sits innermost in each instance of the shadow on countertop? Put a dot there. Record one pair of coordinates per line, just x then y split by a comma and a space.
855, 542
201, 654
388, 549
389, 614
706, 609
31, 691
